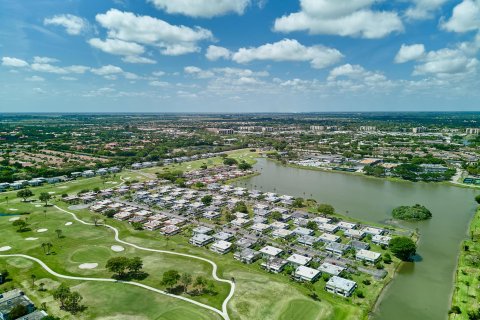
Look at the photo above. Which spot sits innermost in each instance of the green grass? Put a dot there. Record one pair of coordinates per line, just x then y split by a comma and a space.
467, 277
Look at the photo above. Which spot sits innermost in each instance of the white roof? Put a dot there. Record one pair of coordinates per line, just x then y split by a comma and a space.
303, 231
222, 245
372, 231
341, 283
299, 259
282, 233
271, 251
328, 237
279, 225
260, 227
306, 272
330, 268
367, 254
346, 225
321, 220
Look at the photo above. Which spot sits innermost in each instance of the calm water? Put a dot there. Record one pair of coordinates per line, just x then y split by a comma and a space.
421, 290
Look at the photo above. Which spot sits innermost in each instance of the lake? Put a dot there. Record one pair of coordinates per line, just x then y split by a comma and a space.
420, 290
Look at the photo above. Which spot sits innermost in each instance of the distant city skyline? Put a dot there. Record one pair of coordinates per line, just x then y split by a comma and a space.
239, 56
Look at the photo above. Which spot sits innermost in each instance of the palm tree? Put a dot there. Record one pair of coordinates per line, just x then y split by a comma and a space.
49, 246
44, 246
59, 233
33, 277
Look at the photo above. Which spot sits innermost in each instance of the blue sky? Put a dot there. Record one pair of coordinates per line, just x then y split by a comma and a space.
239, 55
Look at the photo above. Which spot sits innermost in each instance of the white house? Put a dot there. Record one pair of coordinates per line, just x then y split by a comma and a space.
299, 260
340, 286
303, 273
331, 269
221, 246
368, 256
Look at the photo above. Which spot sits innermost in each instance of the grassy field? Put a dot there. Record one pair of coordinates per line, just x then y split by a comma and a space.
467, 278
240, 155
258, 295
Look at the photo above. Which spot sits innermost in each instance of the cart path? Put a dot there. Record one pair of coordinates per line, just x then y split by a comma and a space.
58, 275
224, 311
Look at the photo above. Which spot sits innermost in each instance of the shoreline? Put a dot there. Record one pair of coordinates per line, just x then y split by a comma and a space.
390, 179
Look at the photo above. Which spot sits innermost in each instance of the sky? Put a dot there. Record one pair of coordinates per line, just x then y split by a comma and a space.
239, 55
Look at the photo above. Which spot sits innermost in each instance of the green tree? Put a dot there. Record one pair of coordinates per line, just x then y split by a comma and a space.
326, 209
118, 265
33, 277
276, 215
403, 248
298, 203
72, 303
207, 199
477, 198
61, 294
18, 311
244, 166
135, 265
240, 207
59, 233
25, 194
21, 224
186, 280
170, 278
45, 196
230, 162
312, 225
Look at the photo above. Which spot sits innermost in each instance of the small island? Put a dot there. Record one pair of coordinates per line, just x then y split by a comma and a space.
411, 213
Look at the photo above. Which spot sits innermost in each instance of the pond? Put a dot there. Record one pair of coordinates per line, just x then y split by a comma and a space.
420, 290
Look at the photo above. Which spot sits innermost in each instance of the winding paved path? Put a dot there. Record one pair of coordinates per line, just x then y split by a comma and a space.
58, 275
223, 313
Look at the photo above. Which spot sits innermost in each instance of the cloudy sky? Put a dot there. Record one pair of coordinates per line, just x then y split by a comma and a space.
239, 55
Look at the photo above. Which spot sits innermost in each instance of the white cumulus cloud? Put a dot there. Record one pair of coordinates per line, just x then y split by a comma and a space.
202, 8
14, 62
353, 18
137, 59
117, 47
465, 17
73, 25
290, 50
107, 70
410, 52
423, 9
171, 39
215, 53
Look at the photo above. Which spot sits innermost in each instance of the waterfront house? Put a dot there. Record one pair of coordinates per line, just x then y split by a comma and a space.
341, 286
368, 256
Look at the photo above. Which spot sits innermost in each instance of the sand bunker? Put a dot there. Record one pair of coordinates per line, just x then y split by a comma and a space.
6, 248
42, 230
117, 248
31, 239
14, 219
13, 209
88, 265
68, 223
63, 187
51, 192
38, 205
